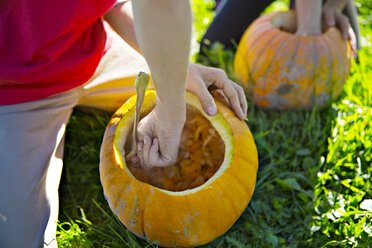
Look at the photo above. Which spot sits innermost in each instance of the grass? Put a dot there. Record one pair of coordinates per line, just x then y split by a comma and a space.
314, 165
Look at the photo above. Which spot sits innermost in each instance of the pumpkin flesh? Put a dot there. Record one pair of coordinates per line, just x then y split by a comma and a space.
200, 155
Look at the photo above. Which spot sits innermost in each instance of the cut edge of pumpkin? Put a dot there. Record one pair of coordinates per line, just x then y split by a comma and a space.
218, 122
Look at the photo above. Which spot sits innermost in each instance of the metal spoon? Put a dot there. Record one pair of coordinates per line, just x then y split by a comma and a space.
141, 83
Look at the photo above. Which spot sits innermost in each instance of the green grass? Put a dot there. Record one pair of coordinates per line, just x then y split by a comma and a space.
315, 166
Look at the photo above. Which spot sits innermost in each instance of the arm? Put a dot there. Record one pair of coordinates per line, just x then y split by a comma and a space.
309, 15
163, 29
120, 18
162, 32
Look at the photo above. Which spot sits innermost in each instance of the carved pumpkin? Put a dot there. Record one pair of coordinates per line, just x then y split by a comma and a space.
281, 70
196, 200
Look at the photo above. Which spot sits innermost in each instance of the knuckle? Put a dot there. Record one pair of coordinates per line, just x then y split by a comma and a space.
239, 89
219, 72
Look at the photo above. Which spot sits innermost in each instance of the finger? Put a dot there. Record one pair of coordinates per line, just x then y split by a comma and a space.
140, 153
146, 151
219, 79
329, 17
242, 98
233, 97
344, 25
154, 152
353, 41
206, 100
135, 161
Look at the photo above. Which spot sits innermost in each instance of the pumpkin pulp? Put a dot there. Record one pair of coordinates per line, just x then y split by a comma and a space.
200, 155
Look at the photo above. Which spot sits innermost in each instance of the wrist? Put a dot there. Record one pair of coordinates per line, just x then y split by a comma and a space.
309, 14
171, 111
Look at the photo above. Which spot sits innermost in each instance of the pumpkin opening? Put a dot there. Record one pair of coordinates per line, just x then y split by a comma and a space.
286, 21
201, 154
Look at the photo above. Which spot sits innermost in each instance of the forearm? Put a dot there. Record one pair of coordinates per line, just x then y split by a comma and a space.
163, 31
309, 14
120, 18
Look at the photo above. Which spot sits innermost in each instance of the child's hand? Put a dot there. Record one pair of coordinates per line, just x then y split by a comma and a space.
200, 78
333, 16
159, 139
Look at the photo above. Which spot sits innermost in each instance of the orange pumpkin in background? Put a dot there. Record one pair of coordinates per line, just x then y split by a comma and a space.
281, 70
197, 199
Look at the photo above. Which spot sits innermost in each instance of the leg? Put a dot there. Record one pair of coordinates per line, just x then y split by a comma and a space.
31, 149
231, 20
113, 82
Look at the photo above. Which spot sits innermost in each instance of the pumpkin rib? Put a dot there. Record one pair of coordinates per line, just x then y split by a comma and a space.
292, 62
311, 89
259, 46
210, 217
247, 42
259, 74
338, 50
256, 24
296, 51
272, 42
277, 54
142, 218
331, 70
226, 196
346, 59
232, 169
305, 80
320, 40
238, 182
335, 54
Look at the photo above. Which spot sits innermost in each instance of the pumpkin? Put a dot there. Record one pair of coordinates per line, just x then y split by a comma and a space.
281, 70
197, 199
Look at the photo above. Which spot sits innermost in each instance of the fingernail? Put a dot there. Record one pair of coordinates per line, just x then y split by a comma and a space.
139, 147
212, 110
134, 159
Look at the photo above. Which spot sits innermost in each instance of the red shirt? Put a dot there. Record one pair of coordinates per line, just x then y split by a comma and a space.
49, 46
